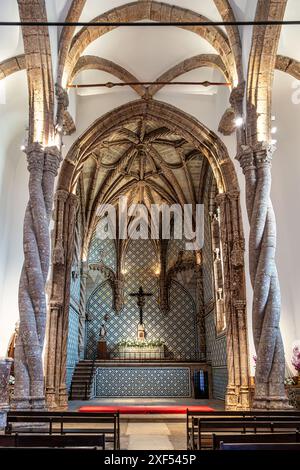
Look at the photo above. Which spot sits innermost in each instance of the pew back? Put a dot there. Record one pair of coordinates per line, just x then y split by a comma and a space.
65, 423
34, 441
255, 438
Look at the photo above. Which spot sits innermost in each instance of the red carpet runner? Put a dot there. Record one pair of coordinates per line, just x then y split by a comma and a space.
136, 410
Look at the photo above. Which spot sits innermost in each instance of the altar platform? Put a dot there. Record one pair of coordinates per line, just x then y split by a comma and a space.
113, 378
145, 409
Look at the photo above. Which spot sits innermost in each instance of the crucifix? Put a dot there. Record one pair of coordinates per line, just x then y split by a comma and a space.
140, 303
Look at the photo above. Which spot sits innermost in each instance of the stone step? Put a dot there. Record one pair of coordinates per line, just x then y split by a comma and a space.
80, 383
82, 372
82, 379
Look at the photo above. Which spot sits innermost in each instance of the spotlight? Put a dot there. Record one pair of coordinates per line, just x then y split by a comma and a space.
239, 121
274, 130
274, 141
23, 148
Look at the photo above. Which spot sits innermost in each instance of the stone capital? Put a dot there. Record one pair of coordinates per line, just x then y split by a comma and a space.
233, 195
35, 157
73, 200
220, 198
55, 304
53, 159
264, 154
84, 269
61, 195
240, 304
246, 158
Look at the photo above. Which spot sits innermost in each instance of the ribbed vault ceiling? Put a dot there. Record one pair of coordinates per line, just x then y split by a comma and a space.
147, 163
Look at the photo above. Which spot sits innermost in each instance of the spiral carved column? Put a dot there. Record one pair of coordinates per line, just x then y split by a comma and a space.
43, 165
270, 365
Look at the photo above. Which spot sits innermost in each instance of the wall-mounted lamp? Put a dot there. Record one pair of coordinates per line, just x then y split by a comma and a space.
25, 140
239, 121
157, 271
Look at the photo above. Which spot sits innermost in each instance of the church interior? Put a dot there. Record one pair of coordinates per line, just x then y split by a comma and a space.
149, 258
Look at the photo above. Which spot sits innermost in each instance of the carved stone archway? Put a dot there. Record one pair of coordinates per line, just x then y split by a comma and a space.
210, 146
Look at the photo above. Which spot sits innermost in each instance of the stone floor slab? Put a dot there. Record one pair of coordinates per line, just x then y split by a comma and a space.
139, 429
149, 442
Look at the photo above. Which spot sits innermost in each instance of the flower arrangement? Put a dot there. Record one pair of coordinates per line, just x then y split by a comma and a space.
296, 358
141, 344
289, 381
11, 380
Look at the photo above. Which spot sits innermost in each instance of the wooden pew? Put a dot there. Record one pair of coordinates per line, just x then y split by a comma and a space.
255, 438
59, 423
34, 441
204, 428
268, 447
192, 423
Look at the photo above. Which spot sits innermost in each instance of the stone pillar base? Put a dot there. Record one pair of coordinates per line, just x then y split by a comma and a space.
244, 399
63, 400
20, 403
28, 403
237, 399
51, 400
231, 399
271, 403
38, 403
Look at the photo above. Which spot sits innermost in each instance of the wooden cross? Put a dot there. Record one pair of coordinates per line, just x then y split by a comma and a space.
141, 300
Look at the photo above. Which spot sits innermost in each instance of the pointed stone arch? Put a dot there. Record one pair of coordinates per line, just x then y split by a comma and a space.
153, 11
237, 396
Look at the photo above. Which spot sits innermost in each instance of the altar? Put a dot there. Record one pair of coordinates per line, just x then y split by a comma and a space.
155, 359
153, 379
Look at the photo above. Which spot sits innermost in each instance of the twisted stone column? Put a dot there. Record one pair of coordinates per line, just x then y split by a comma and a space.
43, 165
270, 365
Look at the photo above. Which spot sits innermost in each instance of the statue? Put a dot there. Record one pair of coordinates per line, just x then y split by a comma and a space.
102, 335
102, 348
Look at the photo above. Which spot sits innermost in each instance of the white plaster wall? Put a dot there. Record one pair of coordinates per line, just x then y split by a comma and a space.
286, 197
14, 195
